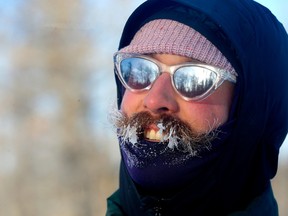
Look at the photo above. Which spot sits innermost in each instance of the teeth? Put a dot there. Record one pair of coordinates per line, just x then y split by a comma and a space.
153, 135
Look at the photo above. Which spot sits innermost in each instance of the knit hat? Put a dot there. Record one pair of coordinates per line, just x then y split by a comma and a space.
171, 37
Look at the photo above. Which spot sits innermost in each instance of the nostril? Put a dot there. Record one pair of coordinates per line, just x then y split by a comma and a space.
163, 109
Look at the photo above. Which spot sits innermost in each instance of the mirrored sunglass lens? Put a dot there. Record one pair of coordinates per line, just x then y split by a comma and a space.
138, 73
193, 81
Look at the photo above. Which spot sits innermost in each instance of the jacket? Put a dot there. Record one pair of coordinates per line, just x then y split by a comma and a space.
256, 44
265, 204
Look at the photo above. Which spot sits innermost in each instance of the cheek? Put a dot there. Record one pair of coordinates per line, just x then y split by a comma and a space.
203, 118
218, 116
125, 101
207, 114
220, 102
131, 102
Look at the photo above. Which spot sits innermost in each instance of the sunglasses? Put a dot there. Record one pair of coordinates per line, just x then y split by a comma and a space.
192, 81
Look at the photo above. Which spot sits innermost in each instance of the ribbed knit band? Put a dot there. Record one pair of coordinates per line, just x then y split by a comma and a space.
171, 37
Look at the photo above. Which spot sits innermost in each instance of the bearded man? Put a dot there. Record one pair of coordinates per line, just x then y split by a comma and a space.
203, 108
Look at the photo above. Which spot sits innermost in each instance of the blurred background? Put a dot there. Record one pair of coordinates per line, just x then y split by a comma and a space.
58, 153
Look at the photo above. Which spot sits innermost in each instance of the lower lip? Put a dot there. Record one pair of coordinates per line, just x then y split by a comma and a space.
152, 140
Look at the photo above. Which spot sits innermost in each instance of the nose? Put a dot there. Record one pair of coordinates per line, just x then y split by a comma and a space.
161, 98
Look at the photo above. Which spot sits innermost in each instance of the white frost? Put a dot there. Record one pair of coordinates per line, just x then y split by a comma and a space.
161, 129
130, 134
133, 138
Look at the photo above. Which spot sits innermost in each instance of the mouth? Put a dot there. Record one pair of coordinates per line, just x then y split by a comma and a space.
154, 134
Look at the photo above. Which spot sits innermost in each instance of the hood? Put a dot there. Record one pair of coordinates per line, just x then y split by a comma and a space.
256, 44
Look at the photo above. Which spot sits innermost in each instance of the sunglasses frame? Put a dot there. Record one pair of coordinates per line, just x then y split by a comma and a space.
222, 74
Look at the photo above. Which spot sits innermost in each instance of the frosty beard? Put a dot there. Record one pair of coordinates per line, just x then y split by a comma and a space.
176, 134
171, 162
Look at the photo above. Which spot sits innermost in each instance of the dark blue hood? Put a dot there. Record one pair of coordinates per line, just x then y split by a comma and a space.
256, 44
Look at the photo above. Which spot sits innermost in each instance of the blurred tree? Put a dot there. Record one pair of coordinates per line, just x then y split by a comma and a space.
56, 166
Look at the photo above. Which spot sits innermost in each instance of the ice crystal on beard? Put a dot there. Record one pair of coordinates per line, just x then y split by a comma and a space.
126, 132
170, 137
161, 129
166, 138
115, 117
173, 140
130, 134
133, 137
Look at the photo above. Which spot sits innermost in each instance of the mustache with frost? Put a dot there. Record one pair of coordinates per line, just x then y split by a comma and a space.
171, 131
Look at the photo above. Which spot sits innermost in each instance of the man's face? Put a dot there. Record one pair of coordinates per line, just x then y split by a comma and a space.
201, 116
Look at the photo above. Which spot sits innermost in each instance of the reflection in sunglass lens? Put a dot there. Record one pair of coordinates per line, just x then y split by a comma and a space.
138, 73
193, 81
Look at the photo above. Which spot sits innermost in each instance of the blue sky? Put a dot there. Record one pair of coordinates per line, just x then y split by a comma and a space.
279, 8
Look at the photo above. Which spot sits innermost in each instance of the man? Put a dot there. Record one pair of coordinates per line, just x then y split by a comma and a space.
203, 108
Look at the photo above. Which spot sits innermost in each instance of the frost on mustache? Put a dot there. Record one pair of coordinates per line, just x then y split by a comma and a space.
130, 133
127, 132
174, 135
170, 138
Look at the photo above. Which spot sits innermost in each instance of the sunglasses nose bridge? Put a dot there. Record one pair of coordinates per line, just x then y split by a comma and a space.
166, 69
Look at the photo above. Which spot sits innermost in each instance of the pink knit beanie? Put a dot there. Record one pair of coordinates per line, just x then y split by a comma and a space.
171, 37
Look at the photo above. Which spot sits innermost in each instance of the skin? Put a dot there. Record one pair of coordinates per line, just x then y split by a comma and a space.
162, 98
